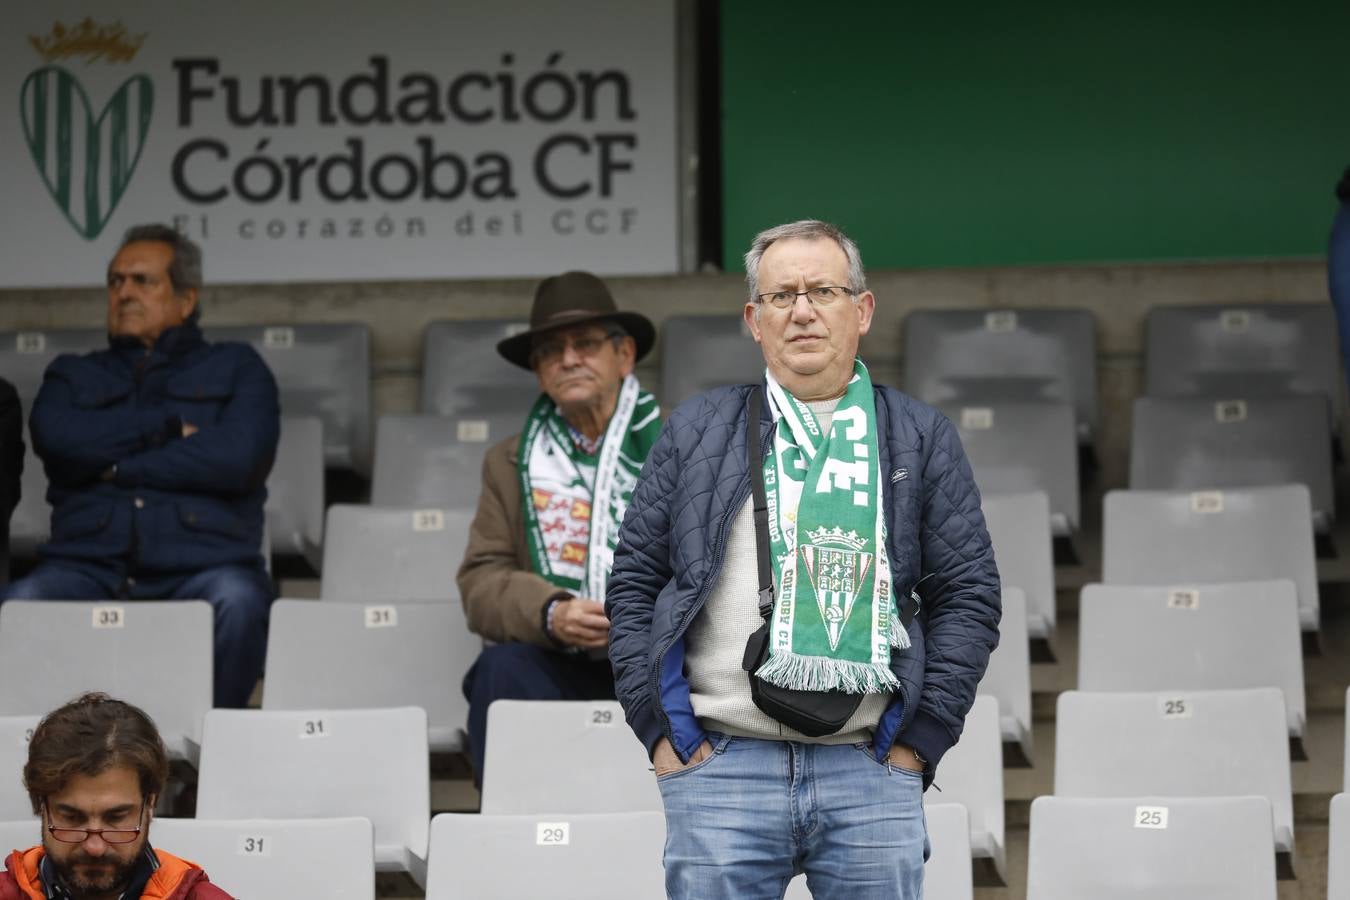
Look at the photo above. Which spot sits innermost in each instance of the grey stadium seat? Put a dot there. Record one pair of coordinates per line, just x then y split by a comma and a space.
1177, 743
1189, 444
19, 834
25, 355
435, 461
1015, 448
1019, 528
701, 352
352, 656
1243, 351
295, 490
607, 770
269, 764
1338, 850
52, 651
1148, 848
278, 859
974, 357
1240, 534
463, 376
575, 856
1008, 677
1193, 638
380, 554
14, 734
971, 773
321, 370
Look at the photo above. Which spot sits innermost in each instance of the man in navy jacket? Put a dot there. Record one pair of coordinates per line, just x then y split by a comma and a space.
749, 801
157, 452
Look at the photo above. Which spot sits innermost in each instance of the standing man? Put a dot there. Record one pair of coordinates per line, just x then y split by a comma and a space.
871, 508
157, 452
542, 541
95, 768
11, 466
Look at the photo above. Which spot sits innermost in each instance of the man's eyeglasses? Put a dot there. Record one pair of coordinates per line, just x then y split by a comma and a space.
80, 835
550, 351
818, 296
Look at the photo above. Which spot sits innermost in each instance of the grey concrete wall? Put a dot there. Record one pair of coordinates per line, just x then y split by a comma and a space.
397, 312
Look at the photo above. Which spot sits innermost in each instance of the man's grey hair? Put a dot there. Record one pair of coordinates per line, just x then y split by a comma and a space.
185, 272
809, 229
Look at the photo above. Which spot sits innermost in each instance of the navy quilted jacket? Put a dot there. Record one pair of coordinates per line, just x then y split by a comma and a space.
670, 553
176, 504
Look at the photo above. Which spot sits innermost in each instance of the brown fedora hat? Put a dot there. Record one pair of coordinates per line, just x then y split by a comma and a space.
574, 298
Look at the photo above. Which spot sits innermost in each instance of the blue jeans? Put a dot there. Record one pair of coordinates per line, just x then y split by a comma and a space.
240, 597
754, 813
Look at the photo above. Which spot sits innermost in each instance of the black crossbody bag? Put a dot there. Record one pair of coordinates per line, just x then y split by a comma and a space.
813, 713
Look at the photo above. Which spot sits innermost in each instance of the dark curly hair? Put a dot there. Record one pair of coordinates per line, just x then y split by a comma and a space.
88, 736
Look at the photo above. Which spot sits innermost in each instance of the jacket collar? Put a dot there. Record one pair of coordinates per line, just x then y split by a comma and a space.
173, 343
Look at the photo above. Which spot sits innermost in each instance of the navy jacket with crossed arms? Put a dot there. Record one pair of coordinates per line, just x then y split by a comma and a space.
173, 504
675, 533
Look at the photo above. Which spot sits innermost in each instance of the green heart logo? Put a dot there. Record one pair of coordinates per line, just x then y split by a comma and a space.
85, 165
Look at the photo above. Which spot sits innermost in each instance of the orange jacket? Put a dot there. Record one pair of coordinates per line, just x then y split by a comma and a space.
175, 879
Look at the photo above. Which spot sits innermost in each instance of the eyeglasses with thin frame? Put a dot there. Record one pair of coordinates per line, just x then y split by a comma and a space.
80, 835
825, 295
550, 351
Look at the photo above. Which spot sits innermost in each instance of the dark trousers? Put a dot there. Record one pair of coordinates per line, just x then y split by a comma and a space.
240, 597
527, 672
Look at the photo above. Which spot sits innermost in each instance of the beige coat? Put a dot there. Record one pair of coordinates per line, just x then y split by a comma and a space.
504, 599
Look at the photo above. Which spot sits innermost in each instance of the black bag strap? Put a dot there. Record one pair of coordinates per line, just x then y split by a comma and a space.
761, 508
907, 606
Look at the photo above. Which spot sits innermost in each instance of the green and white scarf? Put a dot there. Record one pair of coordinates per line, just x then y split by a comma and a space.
574, 501
835, 618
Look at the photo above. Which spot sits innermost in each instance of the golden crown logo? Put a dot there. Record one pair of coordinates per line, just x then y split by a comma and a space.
111, 43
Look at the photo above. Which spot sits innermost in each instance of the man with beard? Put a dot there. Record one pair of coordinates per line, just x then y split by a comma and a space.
95, 768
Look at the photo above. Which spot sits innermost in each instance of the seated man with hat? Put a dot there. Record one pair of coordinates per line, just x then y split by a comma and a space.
542, 540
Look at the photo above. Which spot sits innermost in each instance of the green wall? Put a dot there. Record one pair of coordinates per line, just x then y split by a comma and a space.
1052, 131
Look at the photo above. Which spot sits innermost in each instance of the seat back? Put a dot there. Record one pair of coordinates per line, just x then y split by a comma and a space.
1211, 848
1240, 534
1014, 448
295, 489
376, 553
436, 461
1198, 637
463, 376
1338, 849
270, 764
19, 834
53, 651
956, 357
971, 774
278, 859
322, 370
1243, 351
1191, 444
1177, 743
1008, 675
607, 770
15, 732
701, 352
355, 656
574, 856
1019, 528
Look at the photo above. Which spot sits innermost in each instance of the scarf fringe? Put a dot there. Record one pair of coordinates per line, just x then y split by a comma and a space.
898, 636
819, 673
